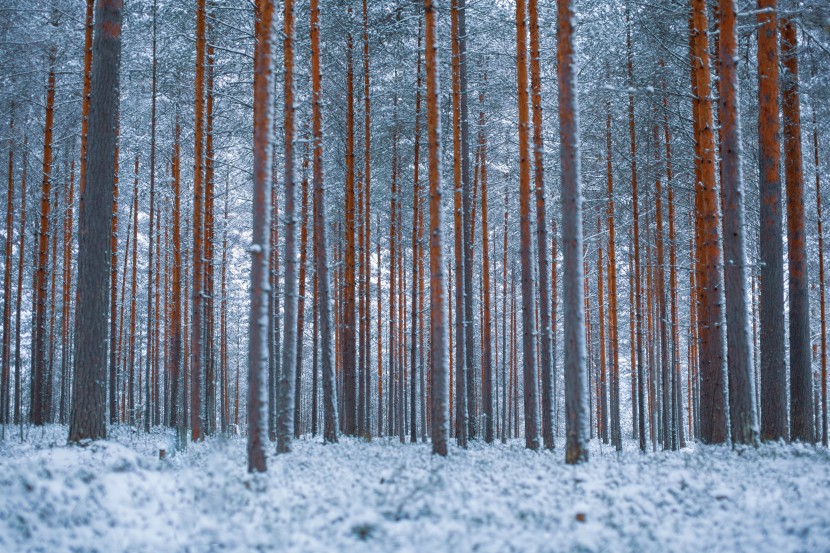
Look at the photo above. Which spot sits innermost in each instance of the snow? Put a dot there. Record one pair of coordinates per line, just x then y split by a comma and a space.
383, 496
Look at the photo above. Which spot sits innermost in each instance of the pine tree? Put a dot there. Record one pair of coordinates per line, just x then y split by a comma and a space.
88, 417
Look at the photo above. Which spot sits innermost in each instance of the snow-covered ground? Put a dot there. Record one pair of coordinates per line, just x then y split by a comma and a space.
382, 496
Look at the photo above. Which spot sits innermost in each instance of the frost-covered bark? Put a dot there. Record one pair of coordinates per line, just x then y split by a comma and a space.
176, 299
546, 338
89, 391
461, 358
467, 222
801, 376
151, 322
260, 251
196, 333
417, 277
771, 243
713, 417
286, 392
438, 355
576, 385
323, 301
613, 323
349, 351
530, 381
742, 415
5, 373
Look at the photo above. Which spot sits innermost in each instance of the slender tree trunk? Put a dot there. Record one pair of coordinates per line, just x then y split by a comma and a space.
613, 327
823, 405
349, 336
361, 311
801, 381
546, 367
176, 315
709, 281
530, 380
89, 390
742, 416
461, 395
301, 299
150, 268
416, 236
367, 213
575, 369
673, 284
133, 289
773, 368
286, 399
21, 250
467, 222
208, 334
438, 299
66, 285
504, 354
39, 414
196, 334
5, 372
486, 323
260, 251
639, 410
602, 397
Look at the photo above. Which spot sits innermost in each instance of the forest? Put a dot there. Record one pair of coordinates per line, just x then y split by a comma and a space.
401, 275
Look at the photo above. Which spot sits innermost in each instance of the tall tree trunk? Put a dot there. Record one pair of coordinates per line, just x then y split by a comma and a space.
260, 250
301, 299
89, 390
133, 287
613, 326
349, 344
486, 323
5, 373
742, 415
21, 251
196, 334
66, 285
546, 367
438, 300
801, 380
416, 235
773, 368
639, 410
461, 396
380, 341
150, 268
286, 399
575, 370
208, 310
367, 217
39, 414
666, 371
223, 355
673, 284
176, 315
602, 397
823, 405
504, 353
530, 380
472, 414
709, 280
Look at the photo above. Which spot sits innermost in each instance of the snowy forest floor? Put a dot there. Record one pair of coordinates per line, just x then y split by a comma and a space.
383, 496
